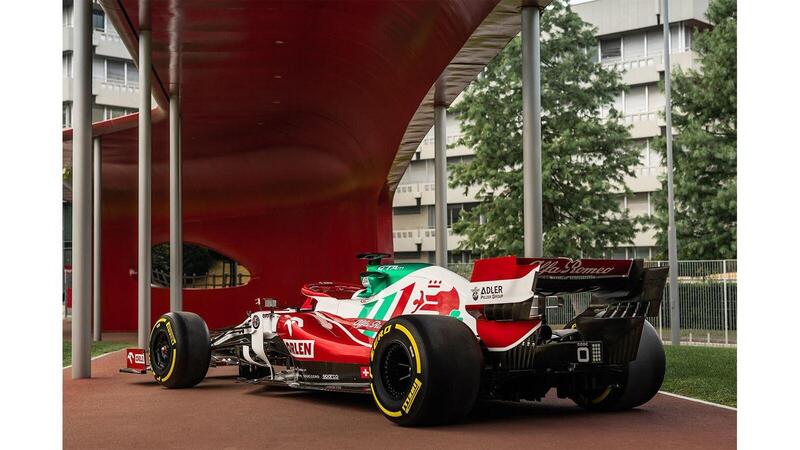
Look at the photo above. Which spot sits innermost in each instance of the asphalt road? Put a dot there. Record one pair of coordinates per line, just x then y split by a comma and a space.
119, 410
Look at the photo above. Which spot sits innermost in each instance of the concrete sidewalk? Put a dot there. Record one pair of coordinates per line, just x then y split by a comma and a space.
117, 410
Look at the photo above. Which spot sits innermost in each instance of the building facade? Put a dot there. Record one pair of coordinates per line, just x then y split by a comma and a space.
630, 39
115, 87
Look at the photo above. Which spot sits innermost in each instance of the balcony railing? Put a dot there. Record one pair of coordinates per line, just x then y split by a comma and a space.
649, 171
635, 63
643, 116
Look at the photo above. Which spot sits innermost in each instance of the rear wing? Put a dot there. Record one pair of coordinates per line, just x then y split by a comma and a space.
609, 280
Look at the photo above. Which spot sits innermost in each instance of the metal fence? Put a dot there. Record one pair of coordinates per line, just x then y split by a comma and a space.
707, 295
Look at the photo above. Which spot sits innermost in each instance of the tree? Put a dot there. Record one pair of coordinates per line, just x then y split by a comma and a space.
585, 158
704, 148
196, 259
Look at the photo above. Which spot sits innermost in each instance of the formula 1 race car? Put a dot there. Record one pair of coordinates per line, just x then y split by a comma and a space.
427, 343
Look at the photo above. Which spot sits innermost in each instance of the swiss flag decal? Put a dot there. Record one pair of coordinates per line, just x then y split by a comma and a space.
364, 372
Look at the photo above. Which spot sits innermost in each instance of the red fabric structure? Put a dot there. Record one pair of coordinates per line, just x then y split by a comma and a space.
292, 116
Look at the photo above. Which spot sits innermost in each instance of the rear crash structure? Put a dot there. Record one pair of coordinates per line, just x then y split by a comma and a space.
426, 343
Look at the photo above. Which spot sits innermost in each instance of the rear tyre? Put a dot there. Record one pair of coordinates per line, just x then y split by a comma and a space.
643, 379
180, 349
426, 370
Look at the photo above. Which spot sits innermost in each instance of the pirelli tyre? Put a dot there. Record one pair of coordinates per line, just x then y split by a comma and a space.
180, 349
425, 370
643, 379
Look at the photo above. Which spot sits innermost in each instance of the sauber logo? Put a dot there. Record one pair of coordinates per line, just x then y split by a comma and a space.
300, 349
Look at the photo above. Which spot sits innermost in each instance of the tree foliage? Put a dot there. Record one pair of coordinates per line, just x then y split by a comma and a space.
704, 148
585, 158
196, 259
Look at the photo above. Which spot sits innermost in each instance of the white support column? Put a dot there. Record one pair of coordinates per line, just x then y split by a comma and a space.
440, 170
672, 244
531, 132
175, 207
145, 266
97, 282
82, 192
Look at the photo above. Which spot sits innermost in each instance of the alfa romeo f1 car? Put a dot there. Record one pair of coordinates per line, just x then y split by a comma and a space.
426, 343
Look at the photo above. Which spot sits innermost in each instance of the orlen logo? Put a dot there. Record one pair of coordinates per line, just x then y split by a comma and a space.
300, 348
135, 358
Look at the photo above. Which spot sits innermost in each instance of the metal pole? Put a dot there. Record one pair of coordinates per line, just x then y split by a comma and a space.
440, 169
82, 192
175, 207
145, 268
532, 133
674, 305
725, 298
97, 283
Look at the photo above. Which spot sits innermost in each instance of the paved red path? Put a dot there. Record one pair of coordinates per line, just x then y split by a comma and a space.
117, 410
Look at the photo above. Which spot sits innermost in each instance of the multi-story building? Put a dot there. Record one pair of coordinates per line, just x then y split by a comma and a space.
115, 86
630, 39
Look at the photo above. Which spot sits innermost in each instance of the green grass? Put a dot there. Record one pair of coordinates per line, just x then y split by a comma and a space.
98, 348
705, 373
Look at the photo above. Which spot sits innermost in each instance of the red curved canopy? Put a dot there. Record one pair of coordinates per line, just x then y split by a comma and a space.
297, 117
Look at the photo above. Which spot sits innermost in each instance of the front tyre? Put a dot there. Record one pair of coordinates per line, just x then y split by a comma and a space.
642, 382
425, 370
180, 349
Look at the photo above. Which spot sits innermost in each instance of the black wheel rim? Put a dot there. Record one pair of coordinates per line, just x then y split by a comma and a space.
396, 375
161, 351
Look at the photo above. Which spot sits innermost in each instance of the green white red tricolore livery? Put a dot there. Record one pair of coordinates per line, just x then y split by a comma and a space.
426, 343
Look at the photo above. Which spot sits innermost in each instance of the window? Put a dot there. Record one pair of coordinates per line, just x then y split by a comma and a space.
455, 160
655, 97
637, 204
406, 255
687, 37
675, 32
99, 20
610, 50
634, 46
133, 74
98, 113
636, 100
67, 16
406, 210
115, 71
456, 257
416, 173
454, 212
642, 252
66, 115
655, 42
67, 64
619, 253
112, 112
